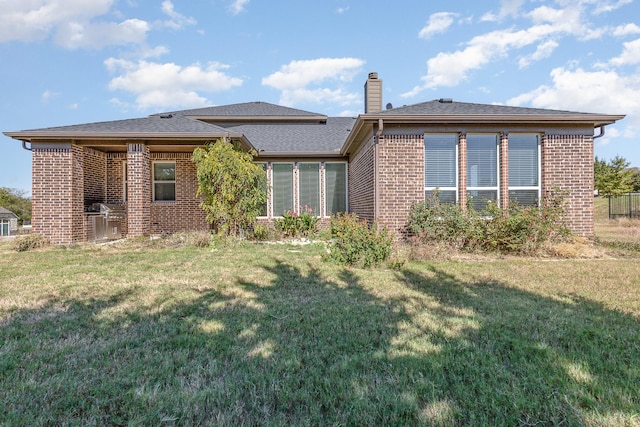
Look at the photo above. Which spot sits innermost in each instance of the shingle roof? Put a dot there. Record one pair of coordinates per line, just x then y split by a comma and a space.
442, 107
247, 109
153, 124
321, 137
6, 213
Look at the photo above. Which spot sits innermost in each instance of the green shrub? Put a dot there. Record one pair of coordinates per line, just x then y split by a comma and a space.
521, 230
29, 242
354, 242
262, 232
293, 224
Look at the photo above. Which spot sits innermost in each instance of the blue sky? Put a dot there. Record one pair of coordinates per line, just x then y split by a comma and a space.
76, 61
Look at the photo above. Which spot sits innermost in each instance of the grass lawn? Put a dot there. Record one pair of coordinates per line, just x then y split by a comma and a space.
271, 335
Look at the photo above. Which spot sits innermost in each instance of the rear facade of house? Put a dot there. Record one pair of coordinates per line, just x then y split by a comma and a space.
136, 178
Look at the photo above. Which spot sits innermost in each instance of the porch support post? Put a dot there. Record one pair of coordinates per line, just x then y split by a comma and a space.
139, 190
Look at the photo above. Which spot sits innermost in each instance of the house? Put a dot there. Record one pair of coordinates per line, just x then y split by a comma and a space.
375, 165
8, 222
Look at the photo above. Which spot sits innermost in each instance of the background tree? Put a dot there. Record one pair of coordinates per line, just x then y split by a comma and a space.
232, 187
16, 201
635, 179
613, 177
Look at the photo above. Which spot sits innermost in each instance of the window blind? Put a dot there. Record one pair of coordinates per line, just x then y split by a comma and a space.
336, 187
282, 188
309, 186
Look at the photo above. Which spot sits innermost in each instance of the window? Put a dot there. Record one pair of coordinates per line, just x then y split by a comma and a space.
335, 187
441, 166
4, 227
282, 189
164, 181
309, 187
524, 169
482, 169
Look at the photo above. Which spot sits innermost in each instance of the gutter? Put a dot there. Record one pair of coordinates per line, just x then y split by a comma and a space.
601, 132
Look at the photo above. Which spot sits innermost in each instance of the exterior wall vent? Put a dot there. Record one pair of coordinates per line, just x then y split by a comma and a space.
445, 100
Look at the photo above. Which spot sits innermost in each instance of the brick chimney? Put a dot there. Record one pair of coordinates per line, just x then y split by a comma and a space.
373, 94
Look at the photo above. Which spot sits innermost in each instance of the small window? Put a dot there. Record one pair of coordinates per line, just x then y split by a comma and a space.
4, 227
335, 187
164, 181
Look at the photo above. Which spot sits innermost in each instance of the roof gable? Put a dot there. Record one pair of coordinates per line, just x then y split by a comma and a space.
248, 110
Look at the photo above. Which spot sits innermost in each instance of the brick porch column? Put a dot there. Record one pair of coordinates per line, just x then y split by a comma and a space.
57, 193
139, 190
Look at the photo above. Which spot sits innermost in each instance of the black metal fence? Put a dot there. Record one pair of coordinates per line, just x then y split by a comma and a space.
625, 205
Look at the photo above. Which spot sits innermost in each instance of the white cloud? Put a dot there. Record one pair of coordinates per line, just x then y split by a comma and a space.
295, 79
161, 85
630, 54
238, 6
74, 35
70, 22
544, 50
438, 23
448, 69
177, 20
589, 91
342, 10
47, 95
603, 6
625, 30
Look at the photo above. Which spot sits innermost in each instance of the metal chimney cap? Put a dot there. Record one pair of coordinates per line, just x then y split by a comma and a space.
445, 100
373, 75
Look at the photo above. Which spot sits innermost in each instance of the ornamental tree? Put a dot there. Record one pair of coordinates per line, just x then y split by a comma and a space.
233, 189
614, 177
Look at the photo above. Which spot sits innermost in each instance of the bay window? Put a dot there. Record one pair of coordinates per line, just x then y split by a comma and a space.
282, 188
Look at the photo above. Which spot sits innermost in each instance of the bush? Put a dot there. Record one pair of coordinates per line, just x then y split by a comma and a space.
293, 224
353, 242
522, 230
29, 242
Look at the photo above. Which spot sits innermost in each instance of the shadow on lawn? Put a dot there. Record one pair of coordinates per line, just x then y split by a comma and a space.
308, 350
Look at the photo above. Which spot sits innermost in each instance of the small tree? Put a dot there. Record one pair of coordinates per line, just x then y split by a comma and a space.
614, 177
232, 187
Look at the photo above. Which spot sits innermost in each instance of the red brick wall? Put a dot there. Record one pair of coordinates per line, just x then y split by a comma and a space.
567, 164
58, 194
185, 213
116, 162
139, 197
95, 175
400, 177
362, 181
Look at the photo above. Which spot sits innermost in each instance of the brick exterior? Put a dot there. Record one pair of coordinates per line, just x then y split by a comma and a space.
400, 178
362, 181
185, 213
567, 164
58, 194
139, 184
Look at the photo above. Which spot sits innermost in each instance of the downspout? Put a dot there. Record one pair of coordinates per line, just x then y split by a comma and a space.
376, 186
24, 145
601, 132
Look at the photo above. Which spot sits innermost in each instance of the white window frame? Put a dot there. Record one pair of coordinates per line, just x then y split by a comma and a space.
495, 188
325, 214
539, 165
455, 189
4, 222
154, 181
